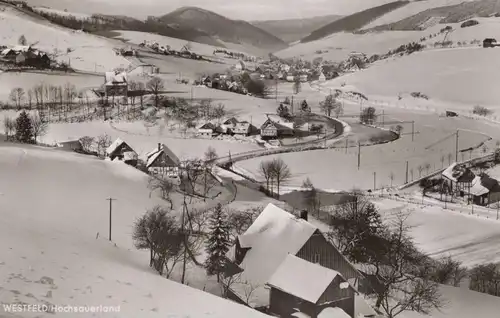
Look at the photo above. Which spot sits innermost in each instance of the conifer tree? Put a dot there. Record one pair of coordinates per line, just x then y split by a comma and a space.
218, 242
24, 128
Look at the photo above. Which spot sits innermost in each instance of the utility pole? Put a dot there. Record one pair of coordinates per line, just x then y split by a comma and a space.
374, 181
406, 172
412, 131
456, 148
110, 213
326, 131
383, 119
346, 144
292, 105
359, 154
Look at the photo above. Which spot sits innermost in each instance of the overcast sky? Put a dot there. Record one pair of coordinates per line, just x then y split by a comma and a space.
234, 9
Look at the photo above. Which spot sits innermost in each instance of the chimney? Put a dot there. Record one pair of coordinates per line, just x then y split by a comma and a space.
159, 146
303, 214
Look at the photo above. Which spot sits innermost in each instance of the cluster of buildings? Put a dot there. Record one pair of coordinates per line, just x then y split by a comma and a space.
286, 267
272, 128
184, 52
116, 83
461, 182
22, 55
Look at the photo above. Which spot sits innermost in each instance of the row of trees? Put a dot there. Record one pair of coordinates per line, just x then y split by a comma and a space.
276, 173
25, 128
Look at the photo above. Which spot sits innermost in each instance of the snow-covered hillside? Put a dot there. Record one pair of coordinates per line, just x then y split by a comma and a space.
82, 51
53, 238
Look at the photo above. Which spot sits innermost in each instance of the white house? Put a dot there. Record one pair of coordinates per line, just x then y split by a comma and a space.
162, 161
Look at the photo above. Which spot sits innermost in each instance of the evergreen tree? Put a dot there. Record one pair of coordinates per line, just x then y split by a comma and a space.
304, 107
24, 128
218, 242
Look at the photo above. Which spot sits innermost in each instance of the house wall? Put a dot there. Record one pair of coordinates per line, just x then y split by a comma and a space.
336, 297
284, 305
318, 248
269, 131
116, 90
118, 153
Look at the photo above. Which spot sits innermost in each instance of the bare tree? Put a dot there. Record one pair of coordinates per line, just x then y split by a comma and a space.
17, 96
391, 177
420, 168
103, 142
427, 167
448, 271
155, 86
266, 171
9, 127
240, 221
159, 232
30, 98
442, 161
330, 104
39, 126
402, 273
87, 143
219, 112
165, 186
281, 173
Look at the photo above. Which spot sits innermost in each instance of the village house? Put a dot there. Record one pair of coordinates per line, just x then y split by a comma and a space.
272, 129
116, 84
70, 145
309, 288
206, 129
261, 256
242, 128
458, 179
484, 190
122, 151
163, 162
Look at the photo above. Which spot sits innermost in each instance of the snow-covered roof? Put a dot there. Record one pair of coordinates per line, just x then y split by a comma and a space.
333, 312
117, 143
454, 172
113, 78
153, 155
300, 315
362, 308
477, 187
274, 234
302, 279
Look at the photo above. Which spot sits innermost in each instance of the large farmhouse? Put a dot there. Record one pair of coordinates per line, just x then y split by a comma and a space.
163, 162
278, 242
116, 84
120, 150
273, 129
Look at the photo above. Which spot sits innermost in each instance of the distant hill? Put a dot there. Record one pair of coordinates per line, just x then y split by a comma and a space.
447, 14
222, 28
292, 30
354, 21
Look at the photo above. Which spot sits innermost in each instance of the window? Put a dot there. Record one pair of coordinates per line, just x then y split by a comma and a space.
316, 258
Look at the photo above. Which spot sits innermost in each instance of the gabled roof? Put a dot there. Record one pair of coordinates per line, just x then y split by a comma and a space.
278, 124
458, 173
112, 148
477, 188
207, 125
274, 234
155, 154
302, 279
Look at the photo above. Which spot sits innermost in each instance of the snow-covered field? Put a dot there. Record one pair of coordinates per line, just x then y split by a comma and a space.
438, 232
462, 76
88, 52
53, 206
28, 81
